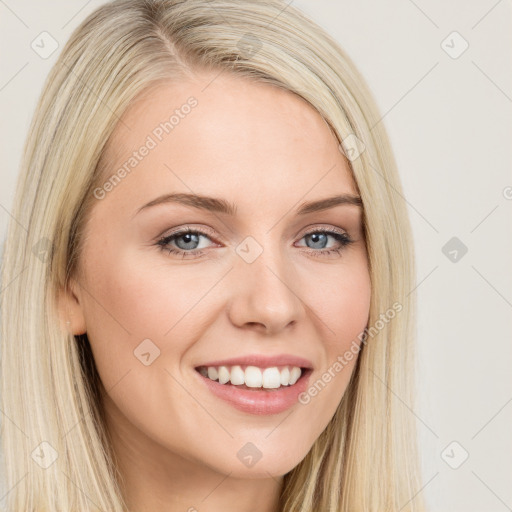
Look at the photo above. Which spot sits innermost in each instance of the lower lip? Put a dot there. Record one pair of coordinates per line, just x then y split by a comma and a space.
260, 401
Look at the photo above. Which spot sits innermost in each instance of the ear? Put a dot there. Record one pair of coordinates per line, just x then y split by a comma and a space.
70, 306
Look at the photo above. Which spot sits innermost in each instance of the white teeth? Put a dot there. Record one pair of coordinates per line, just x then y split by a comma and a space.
237, 376
285, 377
271, 378
223, 375
294, 375
254, 377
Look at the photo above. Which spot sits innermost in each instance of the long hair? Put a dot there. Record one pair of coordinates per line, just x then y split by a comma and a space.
56, 449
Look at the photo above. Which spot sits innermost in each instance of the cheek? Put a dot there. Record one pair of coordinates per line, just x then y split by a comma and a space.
143, 299
132, 301
341, 301
136, 314
340, 295
128, 301
350, 312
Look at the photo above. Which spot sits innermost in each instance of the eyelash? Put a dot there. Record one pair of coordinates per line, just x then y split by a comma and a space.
163, 243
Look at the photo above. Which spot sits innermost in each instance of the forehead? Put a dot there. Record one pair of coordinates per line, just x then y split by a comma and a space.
229, 137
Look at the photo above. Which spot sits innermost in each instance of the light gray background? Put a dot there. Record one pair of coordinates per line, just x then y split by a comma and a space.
449, 120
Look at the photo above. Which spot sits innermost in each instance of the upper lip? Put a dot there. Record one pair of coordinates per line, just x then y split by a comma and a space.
262, 361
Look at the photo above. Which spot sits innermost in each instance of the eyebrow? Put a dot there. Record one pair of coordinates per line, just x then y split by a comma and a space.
213, 204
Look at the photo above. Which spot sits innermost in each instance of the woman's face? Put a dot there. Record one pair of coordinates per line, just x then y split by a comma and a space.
256, 277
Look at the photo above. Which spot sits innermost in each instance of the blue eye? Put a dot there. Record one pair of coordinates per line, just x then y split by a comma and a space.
185, 242
190, 239
320, 238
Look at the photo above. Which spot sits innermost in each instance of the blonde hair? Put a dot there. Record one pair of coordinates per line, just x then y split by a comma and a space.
366, 458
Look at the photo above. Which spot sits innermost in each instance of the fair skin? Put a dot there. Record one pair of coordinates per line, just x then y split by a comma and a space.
267, 152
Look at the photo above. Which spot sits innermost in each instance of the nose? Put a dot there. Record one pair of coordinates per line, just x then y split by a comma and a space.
265, 293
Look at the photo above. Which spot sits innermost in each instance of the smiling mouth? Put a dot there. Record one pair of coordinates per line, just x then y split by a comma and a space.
253, 378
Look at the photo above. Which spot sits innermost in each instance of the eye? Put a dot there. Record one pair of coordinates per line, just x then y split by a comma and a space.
187, 241
319, 239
